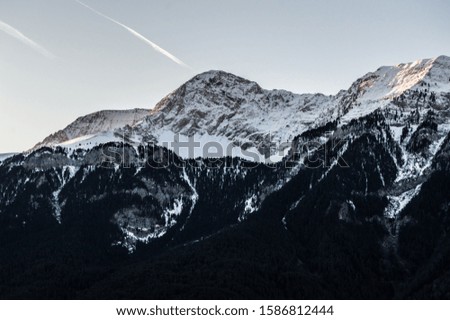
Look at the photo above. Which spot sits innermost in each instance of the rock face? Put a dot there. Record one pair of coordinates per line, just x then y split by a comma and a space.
358, 206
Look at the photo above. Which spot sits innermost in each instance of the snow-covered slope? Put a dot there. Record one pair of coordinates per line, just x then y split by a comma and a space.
221, 107
245, 120
4, 156
94, 124
377, 89
390, 82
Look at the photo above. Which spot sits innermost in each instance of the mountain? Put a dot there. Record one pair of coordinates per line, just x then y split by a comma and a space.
214, 105
375, 89
4, 156
94, 124
219, 106
353, 203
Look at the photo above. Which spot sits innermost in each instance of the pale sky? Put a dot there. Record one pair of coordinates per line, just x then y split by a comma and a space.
60, 60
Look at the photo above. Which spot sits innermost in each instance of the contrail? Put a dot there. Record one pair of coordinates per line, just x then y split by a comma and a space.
21, 37
139, 36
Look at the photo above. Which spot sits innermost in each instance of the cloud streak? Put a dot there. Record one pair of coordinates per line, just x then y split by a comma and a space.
13, 32
139, 36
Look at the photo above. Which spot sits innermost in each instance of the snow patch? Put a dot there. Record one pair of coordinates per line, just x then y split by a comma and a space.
250, 207
398, 203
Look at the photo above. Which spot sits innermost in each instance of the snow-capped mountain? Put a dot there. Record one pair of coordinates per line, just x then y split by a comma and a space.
376, 89
224, 108
218, 106
4, 156
213, 106
356, 205
94, 124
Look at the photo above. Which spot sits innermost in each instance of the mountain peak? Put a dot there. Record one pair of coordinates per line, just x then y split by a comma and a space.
443, 59
94, 123
391, 81
217, 78
208, 88
215, 73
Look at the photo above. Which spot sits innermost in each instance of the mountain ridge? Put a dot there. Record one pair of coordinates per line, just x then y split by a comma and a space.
94, 123
357, 206
220, 106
